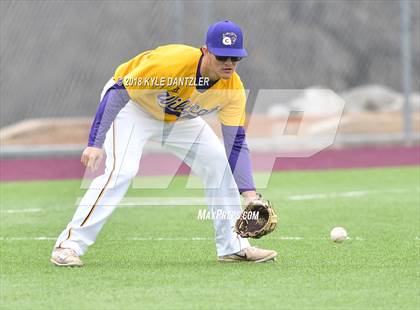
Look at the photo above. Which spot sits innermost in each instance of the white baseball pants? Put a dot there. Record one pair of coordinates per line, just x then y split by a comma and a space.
191, 140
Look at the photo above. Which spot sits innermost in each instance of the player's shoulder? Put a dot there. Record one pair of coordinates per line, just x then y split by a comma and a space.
234, 90
236, 81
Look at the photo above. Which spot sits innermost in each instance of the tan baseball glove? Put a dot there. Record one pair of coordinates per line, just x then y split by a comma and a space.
257, 219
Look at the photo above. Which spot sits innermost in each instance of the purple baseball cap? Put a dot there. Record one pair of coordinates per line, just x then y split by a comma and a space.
225, 38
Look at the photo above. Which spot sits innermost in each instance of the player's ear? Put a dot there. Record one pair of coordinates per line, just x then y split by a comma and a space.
204, 50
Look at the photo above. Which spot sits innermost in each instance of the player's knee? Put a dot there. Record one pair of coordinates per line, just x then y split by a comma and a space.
126, 173
219, 161
217, 165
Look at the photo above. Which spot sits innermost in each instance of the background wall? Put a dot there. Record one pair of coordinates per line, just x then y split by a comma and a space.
56, 55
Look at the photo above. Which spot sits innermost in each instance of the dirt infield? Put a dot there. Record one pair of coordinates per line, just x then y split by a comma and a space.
164, 164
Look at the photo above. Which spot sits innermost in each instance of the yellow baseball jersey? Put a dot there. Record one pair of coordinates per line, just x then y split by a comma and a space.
163, 82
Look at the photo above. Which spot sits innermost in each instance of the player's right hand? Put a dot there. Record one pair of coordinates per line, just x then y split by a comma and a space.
92, 157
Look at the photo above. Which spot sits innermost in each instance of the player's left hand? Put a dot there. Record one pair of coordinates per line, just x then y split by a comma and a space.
249, 196
248, 226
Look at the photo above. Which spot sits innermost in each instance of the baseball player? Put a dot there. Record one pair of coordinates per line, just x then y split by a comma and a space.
160, 95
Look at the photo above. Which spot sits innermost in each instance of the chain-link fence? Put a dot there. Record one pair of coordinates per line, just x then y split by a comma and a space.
57, 55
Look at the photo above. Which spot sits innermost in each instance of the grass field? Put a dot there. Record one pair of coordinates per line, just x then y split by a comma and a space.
162, 257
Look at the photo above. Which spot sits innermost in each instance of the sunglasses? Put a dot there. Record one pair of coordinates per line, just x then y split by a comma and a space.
224, 58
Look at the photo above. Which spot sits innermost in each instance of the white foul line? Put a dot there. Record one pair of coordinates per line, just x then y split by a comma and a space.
290, 238
328, 195
137, 202
417, 238
145, 238
25, 238
201, 238
347, 194
21, 210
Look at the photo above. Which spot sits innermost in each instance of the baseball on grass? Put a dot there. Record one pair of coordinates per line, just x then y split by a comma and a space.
338, 234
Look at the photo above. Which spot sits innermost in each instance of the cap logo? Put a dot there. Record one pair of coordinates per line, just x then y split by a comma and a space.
229, 38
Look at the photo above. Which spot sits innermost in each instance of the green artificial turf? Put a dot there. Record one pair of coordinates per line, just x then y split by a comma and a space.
378, 268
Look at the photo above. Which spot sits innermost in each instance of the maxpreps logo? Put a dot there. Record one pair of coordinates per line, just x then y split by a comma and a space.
174, 105
229, 38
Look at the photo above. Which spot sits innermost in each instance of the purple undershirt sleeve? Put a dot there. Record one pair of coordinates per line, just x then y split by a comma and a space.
239, 158
111, 104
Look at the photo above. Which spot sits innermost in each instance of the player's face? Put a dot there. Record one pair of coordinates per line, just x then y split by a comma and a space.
221, 67
224, 67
